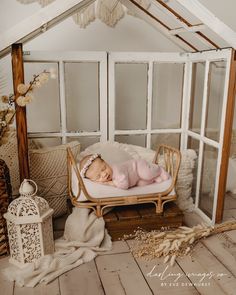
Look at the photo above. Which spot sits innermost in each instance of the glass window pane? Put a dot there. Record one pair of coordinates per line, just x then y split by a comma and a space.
215, 99
130, 96
170, 139
208, 177
194, 145
43, 114
45, 142
84, 141
132, 139
82, 96
167, 95
195, 112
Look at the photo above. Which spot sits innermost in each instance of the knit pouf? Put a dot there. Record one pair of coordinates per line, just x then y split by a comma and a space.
5, 199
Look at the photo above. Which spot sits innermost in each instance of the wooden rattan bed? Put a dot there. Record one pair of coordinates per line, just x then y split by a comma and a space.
170, 158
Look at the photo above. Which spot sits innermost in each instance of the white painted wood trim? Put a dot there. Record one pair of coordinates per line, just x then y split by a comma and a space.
209, 19
44, 134
201, 144
222, 129
111, 96
39, 22
62, 100
145, 131
203, 216
204, 100
148, 19
149, 104
185, 104
83, 134
103, 97
52, 56
67, 134
199, 171
170, 57
183, 26
206, 140
192, 29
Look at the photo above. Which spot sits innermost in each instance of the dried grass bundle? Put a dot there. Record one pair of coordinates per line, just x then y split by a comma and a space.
175, 243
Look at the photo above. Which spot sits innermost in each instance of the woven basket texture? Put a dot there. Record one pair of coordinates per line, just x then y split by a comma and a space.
5, 199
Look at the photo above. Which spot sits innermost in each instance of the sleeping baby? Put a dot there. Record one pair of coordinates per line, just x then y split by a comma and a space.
125, 175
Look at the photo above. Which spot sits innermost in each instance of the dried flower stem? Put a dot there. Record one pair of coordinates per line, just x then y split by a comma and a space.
175, 243
3, 129
33, 81
24, 97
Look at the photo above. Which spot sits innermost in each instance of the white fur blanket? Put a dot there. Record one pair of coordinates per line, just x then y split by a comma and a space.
84, 237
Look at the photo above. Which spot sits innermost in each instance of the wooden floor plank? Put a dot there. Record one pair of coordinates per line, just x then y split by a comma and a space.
117, 247
82, 280
162, 279
203, 262
40, 289
120, 275
218, 245
232, 235
5, 285
229, 214
230, 201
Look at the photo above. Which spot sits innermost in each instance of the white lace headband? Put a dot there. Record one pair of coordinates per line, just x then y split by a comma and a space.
88, 163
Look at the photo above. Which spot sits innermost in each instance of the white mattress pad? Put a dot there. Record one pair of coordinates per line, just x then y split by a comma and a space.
97, 190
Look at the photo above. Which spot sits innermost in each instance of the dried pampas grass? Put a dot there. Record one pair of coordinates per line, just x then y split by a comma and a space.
175, 243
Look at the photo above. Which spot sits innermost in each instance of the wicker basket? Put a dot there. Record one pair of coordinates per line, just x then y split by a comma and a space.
5, 199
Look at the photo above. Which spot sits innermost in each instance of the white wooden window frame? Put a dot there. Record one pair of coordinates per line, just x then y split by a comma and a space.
73, 56
148, 58
145, 58
207, 57
188, 59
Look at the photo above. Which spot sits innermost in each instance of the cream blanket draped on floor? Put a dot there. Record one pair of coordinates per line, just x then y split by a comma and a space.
84, 237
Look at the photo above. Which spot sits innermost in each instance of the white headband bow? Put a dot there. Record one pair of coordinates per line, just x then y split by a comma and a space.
88, 163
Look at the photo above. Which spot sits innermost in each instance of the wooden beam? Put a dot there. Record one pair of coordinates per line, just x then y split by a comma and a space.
209, 19
157, 24
187, 25
192, 29
21, 126
39, 22
227, 138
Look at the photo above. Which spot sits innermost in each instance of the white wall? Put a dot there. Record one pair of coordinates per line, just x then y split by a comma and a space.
224, 10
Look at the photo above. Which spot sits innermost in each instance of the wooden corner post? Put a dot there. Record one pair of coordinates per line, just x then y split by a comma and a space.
227, 138
21, 125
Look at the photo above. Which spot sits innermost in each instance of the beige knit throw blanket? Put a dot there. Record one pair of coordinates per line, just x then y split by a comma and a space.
84, 238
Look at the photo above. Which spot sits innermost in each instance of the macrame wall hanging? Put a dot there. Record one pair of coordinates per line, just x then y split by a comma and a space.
108, 11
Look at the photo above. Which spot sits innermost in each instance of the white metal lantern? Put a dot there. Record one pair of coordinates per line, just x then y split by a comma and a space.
29, 225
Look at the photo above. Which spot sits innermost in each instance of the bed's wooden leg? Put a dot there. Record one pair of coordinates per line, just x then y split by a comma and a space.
158, 206
98, 211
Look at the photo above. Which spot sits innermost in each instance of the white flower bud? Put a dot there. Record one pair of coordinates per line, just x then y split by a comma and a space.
22, 88
21, 101
53, 73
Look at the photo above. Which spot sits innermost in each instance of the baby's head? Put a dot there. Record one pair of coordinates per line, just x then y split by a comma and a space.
95, 168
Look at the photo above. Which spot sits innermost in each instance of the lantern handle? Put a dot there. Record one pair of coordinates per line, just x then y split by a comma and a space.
21, 187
